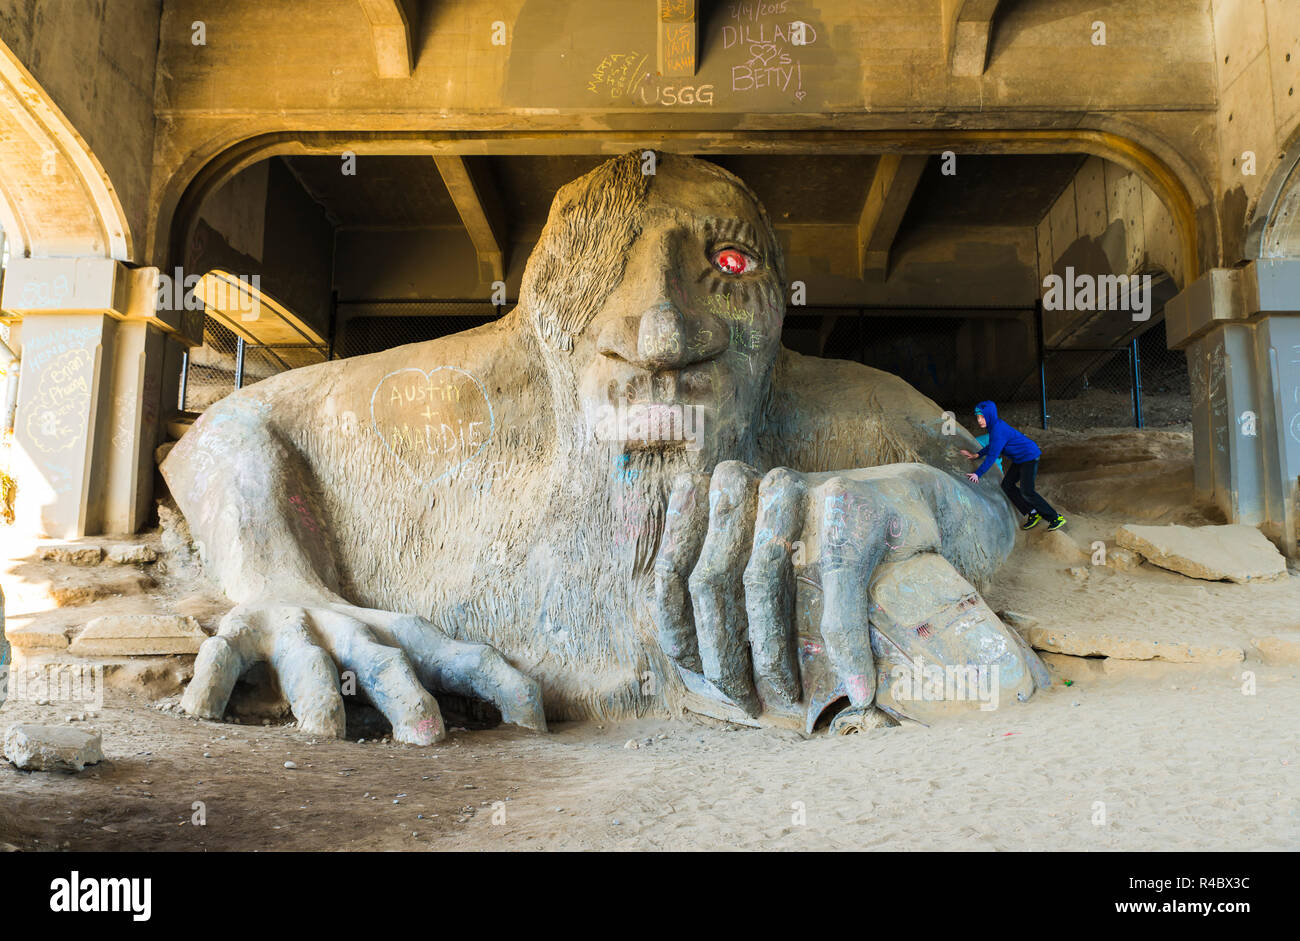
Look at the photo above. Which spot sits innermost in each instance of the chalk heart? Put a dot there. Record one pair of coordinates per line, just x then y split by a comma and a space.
761, 53
434, 422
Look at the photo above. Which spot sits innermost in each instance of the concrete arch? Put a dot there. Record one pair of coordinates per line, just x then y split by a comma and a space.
1273, 229
55, 198
1175, 183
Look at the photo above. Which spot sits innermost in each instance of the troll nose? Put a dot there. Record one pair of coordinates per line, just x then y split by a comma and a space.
662, 338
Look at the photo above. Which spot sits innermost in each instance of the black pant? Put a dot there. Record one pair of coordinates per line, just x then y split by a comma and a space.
1025, 497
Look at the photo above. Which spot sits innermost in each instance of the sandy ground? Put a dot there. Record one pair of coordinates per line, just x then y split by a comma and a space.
1134, 765
1154, 757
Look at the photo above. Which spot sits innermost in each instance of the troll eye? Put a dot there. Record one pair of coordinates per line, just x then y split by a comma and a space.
732, 261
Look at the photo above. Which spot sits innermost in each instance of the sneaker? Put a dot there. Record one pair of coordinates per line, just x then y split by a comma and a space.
1056, 524
1031, 520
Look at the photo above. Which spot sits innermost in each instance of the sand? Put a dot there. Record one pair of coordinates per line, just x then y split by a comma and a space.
1133, 756
1177, 766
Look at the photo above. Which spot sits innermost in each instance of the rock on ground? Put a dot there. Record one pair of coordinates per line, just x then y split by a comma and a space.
1123, 560
33, 747
139, 635
131, 554
1235, 553
71, 554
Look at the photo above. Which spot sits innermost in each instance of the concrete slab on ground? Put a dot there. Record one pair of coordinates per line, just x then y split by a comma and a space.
1234, 553
139, 635
34, 747
1121, 642
33, 634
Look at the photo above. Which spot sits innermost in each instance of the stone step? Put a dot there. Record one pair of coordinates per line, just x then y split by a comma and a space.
29, 635
70, 592
70, 553
88, 554
139, 635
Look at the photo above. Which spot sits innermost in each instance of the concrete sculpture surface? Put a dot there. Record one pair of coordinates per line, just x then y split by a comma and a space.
623, 498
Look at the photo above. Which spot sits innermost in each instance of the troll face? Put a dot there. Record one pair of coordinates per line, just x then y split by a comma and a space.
659, 300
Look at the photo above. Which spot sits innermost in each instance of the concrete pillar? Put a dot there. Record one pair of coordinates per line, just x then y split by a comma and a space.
58, 432
1240, 330
88, 397
134, 421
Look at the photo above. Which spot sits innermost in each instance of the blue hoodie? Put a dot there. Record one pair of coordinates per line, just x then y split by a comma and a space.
1002, 437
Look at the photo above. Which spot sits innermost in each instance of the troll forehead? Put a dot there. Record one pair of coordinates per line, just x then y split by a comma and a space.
716, 228
596, 221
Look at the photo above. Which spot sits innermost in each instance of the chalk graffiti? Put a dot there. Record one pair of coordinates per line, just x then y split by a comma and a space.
61, 404
768, 56
45, 294
669, 95
123, 422
678, 46
434, 423
305, 515
624, 76
743, 338
721, 305
39, 350
617, 74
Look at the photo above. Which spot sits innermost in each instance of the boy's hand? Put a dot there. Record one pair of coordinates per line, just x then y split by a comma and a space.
966, 454
973, 478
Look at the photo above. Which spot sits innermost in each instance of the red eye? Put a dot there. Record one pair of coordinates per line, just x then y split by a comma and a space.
731, 261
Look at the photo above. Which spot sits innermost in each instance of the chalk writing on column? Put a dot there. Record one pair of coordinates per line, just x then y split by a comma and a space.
1218, 396
433, 422
123, 422
61, 404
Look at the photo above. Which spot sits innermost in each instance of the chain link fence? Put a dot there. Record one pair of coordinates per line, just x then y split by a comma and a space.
952, 356
218, 367
376, 326
1142, 384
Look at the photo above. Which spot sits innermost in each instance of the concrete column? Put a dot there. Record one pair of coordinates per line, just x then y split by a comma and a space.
134, 424
1240, 330
88, 397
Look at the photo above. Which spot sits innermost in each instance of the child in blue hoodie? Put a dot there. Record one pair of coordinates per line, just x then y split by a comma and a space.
1018, 481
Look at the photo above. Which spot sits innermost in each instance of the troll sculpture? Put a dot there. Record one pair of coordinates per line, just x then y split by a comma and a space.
622, 498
